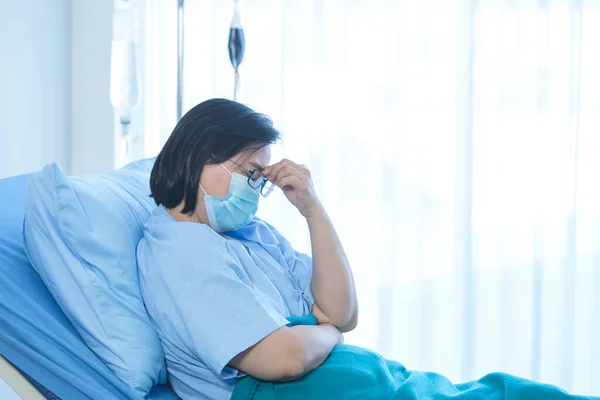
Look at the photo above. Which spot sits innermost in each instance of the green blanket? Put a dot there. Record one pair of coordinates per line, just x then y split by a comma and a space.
355, 373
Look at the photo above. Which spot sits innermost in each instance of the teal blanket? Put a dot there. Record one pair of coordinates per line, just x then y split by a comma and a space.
355, 373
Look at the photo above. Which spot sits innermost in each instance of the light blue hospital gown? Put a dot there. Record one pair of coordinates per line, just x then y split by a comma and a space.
211, 297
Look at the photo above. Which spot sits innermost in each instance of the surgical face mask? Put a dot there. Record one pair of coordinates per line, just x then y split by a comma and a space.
234, 211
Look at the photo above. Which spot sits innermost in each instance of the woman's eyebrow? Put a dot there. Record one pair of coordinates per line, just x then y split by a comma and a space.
255, 165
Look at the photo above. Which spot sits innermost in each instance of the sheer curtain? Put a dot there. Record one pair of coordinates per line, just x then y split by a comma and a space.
455, 145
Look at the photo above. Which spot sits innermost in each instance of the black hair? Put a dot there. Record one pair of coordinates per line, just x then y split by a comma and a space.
210, 133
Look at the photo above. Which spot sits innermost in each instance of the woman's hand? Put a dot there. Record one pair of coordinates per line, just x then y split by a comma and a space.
296, 183
323, 319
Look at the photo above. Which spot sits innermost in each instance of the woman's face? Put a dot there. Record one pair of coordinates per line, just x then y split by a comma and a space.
216, 180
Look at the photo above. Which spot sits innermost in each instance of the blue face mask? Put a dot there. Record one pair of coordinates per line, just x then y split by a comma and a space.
234, 211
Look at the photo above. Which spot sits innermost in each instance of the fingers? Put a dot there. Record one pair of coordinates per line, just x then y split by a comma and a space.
273, 172
285, 175
290, 180
304, 169
288, 170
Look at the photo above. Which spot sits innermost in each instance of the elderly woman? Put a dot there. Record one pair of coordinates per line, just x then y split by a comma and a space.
222, 286
218, 282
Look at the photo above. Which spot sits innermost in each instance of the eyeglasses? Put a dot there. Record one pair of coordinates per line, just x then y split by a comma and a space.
257, 180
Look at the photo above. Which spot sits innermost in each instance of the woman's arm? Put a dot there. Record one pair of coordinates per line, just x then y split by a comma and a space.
332, 283
288, 353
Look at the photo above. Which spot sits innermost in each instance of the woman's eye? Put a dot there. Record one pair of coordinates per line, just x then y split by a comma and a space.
255, 175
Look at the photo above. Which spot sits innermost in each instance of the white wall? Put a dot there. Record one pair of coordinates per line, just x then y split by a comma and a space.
92, 116
34, 85
54, 87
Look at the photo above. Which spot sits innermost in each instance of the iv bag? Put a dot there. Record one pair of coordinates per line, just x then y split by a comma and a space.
237, 40
123, 69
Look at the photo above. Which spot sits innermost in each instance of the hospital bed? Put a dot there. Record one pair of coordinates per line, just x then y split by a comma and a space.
42, 354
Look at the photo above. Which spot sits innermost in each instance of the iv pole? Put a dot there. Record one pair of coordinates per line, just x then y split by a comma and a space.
180, 19
124, 91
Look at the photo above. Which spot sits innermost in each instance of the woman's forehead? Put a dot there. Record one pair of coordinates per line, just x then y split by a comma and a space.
259, 158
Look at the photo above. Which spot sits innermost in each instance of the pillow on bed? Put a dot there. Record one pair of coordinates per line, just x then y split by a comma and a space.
81, 235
